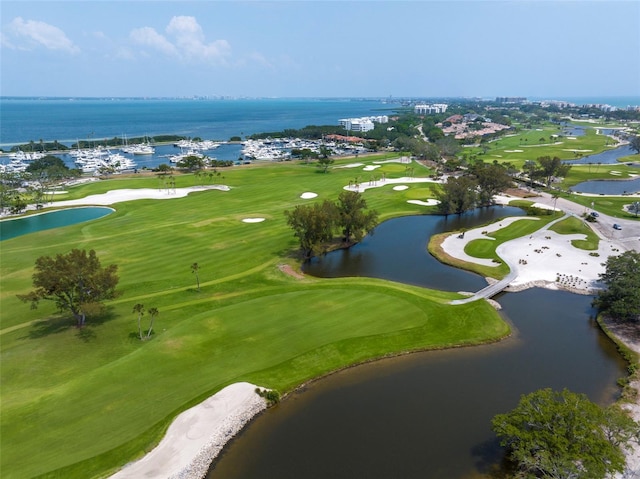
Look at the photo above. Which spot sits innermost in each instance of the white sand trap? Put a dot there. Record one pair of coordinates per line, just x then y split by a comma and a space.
504, 200
118, 196
55, 192
576, 151
614, 172
253, 220
197, 435
370, 167
308, 195
429, 202
351, 165
571, 138
403, 159
513, 151
365, 185
400, 187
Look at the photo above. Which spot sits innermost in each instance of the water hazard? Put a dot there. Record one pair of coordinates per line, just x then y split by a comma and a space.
426, 415
54, 219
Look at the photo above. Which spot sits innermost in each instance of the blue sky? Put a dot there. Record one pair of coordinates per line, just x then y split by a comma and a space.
325, 48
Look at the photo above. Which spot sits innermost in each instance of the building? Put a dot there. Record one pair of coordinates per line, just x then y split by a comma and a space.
511, 99
424, 109
363, 124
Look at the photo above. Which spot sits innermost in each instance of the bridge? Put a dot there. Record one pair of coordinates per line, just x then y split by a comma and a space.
493, 289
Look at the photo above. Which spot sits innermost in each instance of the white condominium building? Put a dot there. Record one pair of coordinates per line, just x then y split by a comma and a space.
363, 124
425, 109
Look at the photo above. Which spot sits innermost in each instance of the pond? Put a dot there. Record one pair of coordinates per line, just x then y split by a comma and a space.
608, 187
12, 228
606, 157
426, 415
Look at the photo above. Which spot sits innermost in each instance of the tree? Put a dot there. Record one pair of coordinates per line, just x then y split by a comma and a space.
634, 208
153, 312
194, 269
191, 163
457, 195
353, 217
313, 225
75, 282
621, 297
324, 162
552, 167
139, 309
492, 179
634, 143
554, 434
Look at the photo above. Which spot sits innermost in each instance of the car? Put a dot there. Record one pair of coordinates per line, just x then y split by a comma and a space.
616, 226
594, 214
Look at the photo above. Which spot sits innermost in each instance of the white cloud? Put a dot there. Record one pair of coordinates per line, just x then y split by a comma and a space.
149, 37
38, 33
187, 41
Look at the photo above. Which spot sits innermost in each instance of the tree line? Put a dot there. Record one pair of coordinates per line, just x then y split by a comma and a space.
316, 225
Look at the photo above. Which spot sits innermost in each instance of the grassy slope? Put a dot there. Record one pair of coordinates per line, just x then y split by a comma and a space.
84, 402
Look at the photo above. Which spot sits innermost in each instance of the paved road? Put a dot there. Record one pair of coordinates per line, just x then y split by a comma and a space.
628, 237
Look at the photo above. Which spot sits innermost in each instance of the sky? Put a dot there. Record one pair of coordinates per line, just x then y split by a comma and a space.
365, 48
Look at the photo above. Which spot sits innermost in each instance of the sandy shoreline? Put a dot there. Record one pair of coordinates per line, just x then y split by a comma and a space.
196, 436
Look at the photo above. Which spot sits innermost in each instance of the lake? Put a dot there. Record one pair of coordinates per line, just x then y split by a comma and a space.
425, 415
12, 228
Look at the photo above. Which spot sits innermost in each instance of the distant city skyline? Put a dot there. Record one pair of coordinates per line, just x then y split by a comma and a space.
455, 48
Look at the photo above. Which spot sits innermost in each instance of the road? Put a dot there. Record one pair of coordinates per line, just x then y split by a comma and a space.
628, 237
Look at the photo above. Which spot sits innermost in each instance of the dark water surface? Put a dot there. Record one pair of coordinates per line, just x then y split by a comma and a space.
609, 187
46, 221
426, 415
398, 251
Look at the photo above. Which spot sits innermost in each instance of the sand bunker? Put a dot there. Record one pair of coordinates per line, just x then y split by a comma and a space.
253, 220
429, 202
513, 151
370, 167
351, 165
308, 195
400, 187
118, 196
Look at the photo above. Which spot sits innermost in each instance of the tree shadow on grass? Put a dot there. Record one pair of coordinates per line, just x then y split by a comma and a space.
64, 322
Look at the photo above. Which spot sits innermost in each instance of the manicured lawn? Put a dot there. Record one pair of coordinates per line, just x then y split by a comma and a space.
574, 225
80, 403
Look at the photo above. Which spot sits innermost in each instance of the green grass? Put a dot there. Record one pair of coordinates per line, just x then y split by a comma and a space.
80, 403
573, 225
486, 249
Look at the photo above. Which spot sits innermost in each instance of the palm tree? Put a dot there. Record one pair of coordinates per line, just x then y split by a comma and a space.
153, 312
139, 308
194, 269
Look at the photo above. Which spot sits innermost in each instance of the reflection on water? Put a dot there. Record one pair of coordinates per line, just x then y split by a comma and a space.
427, 415
398, 251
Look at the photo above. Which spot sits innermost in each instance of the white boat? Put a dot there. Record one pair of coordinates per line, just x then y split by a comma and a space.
141, 149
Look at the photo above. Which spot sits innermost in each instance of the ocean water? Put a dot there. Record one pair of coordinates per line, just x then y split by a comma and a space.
67, 120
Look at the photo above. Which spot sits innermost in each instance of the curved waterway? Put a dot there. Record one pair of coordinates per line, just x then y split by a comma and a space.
12, 228
427, 415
